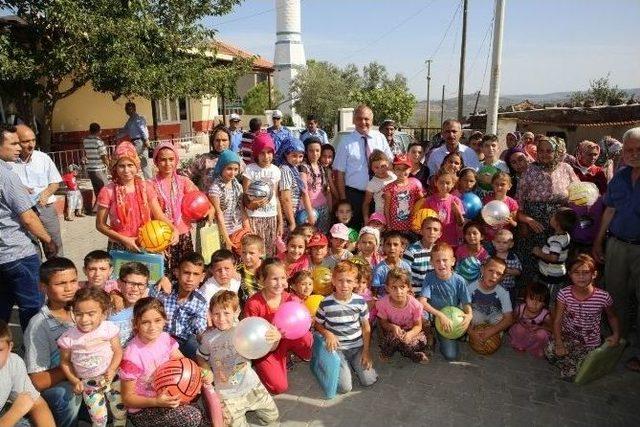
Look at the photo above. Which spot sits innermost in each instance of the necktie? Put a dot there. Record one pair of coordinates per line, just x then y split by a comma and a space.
367, 151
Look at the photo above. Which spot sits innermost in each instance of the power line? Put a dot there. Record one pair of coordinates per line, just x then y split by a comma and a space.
245, 17
482, 44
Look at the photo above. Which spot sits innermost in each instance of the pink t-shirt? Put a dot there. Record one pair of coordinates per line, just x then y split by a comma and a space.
490, 231
404, 317
91, 352
463, 252
140, 361
316, 183
444, 208
107, 199
300, 264
109, 286
163, 193
403, 198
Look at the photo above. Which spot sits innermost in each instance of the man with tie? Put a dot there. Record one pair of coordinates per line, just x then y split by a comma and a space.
351, 161
451, 133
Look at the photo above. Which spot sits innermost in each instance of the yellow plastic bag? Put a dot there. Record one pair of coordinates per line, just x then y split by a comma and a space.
210, 241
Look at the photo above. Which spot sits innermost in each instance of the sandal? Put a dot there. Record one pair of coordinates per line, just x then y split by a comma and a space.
633, 364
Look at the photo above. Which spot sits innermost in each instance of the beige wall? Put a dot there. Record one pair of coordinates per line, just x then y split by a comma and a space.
577, 134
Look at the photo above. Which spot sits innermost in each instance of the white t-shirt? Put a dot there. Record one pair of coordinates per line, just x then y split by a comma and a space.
209, 288
272, 175
375, 186
14, 381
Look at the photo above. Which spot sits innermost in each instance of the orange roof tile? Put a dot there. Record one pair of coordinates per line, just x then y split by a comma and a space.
228, 49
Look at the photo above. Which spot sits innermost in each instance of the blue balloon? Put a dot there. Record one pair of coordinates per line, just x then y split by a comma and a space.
302, 217
472, 205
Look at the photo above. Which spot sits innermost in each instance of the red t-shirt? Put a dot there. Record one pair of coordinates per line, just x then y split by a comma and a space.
256, 305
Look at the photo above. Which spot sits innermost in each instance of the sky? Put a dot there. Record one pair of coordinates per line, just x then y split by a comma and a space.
548, 46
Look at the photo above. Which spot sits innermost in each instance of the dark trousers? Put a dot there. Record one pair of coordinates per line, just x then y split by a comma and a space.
356, 198
19, 281
98, 180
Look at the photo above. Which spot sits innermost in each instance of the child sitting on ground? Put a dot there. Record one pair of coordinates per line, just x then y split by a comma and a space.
400, 316
338, 244
236, 383
472, 246
343, 321
368, 245
295, 258
252, 251
418, 254
133, 281
532, 328
301, 284
502, 245
393, 248
318, 247
382, 176
223, 275
73, 196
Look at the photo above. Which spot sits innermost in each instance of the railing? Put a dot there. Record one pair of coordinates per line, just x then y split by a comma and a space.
420, 134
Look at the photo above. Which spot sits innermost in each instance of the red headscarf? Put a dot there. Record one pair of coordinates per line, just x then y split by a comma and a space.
126, 150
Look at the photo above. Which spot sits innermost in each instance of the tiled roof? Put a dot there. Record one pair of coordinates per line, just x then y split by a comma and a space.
228, 49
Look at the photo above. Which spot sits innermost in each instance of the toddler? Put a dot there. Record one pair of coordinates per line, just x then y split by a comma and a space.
318, 247
448, 207
501, 183
532, 328
418, 254
502, 245
223, 275
379, 165
90, 354
393, 248
364, 286
301, 284
368, 245
401, 195
472, 246
295, 259
252, 251
73, 195
338, 248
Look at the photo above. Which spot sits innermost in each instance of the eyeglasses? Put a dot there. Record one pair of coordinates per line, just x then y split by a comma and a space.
277, 118
135, 284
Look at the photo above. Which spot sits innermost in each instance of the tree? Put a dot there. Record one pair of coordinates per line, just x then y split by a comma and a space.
257, 99
601, 92
150, 48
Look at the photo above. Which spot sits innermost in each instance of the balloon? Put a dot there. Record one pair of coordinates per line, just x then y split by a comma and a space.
472, 205
469, 268
321, 277
455, 315
292, 319
495, 213
353, 235
312, 303
583, 193
486, 170
249, 338
302, 216
195, 206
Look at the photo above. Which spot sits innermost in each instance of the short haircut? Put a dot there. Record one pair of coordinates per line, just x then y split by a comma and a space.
399, 274
255, 124
506, 233
633, 133
376, 156
393, 234
414, 144
252, 240
92, 293
501, 175
268, 264
6, 128
53, 266
346, 267
442, 247
94, 127
5, 332
133, 267
312, 117
566, 219
451, 122
429, 220
489, 138
192, 258
222, 255
537, 291
361, 108
225, 299
497, 260
473, 224
97, 255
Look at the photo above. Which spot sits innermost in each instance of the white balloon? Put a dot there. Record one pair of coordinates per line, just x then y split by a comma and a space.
495, 213
249, 338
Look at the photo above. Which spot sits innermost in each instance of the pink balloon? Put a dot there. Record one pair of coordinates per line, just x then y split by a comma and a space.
292, 320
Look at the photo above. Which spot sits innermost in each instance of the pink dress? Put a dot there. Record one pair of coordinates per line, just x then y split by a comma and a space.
107, 199
444, 207
91, 352
463, 252
527, 334
403, 198
490, 231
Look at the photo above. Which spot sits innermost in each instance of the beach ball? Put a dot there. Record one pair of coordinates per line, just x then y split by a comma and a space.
292, 319
456, 316
249, 337
321, 277
583, 193
302, 216
495, 213
418, 216
155, 235
472, 205
195, 206
469, 268
259, 190
486, 170
313, 303
488, 346
178, 377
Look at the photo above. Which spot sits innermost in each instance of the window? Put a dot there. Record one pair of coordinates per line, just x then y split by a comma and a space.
167, 110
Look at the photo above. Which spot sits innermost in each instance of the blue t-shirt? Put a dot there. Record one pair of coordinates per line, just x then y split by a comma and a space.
624, 197
124, 320
381, 271
442, 293
489, 303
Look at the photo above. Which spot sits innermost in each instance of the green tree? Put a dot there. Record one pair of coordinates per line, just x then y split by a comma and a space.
257, 99
601, 91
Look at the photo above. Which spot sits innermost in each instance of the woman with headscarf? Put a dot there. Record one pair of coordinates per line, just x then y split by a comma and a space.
128, 202
610, 156
518, 162
585, 167
542, 189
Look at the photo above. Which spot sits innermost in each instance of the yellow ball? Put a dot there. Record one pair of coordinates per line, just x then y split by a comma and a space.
419, 216
321, 277
312, 303
155, 236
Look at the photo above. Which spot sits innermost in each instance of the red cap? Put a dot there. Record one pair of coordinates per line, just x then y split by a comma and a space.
318, 240
402, 159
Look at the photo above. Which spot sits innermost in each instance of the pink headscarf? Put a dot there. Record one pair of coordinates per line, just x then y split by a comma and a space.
169, 189
262, 141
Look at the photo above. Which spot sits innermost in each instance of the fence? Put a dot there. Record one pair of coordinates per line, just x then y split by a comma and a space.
422, 135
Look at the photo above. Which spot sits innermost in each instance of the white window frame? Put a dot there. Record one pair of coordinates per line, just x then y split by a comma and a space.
165, 113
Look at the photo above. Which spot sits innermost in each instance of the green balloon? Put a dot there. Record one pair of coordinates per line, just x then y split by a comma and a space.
455, 315
353, 235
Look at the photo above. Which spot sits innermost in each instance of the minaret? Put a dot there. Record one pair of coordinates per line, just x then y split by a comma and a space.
289, 52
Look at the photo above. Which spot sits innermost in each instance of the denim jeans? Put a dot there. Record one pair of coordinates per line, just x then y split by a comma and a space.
352, 358
450, 349
19, 285
64, 404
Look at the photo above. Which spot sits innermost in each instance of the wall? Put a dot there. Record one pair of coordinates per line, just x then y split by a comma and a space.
244, 84
577, 134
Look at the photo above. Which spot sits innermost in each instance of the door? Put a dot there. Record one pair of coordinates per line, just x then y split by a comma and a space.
184, 114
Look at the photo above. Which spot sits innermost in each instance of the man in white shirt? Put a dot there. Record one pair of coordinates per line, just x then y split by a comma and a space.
452, 132
352, 160
41, 177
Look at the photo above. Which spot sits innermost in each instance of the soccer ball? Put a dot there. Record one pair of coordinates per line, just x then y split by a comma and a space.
155, 236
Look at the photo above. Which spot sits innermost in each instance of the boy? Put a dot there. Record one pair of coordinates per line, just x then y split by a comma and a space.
98, 267
236, 383
73, 196
186, 309
339, 241
441, 288
490, 301
223, 271
59, 281
343, 320
392, 248
133, 281
252, 252
16, 388
553, 256
491, 162
503, 243
318, 247
418, 254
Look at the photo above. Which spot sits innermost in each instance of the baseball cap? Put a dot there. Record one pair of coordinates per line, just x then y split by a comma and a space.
277, 114
317, 241
234, 117
339, 231
377, 216
402, 159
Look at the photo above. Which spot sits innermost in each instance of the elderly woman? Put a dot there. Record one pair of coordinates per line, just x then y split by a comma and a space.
585, 167
542, 189
529, 143
610, 156
518, 162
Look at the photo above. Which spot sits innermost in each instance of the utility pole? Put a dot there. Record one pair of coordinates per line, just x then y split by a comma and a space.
475, 107
428, 62
442, 107
463, 48
496, 58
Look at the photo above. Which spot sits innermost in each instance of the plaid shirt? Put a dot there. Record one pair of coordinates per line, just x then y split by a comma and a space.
184, 319
512, 261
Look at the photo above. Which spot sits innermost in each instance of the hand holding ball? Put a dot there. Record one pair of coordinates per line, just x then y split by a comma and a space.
472, 205
293, 320
180, 378
457, 319
249, 338
495, 213
155, 236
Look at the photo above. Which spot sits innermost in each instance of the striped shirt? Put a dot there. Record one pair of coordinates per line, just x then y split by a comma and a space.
558, 244
582, 317
94, 149
513, 262
420, 260
343, 319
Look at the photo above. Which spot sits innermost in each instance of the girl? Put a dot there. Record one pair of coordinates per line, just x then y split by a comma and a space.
401, 195
265, 216
317, 181
466, 182
576, 321
272, 368
295, 258
379, 165
343, 213
225, 195
365, 274
472, 246
128, 202
501, 183
149, 348
453, 162
301, 284
338, 243
327, 154
368, 245
419, 170
90, 354
448, 207
200, 170
400, 317
532, 329
293, 192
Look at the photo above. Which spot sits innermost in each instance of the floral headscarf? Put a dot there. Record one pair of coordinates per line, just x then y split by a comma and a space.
168, 188
559, 150
126, 150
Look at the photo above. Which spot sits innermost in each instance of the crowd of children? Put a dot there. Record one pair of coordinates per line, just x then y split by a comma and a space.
100, 341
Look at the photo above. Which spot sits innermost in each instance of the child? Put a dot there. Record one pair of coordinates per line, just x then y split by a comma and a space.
264, 215
448, 207
379, 165
272, 368
295, 259
223, 275
307, 230
502, 244
73, 195
150, 348
18, 396
343, 321
368, 245
466, 182
318, 247
225, 194
401, 195
327, 154
501, 183
418, 170
472, 246
59, 281
301, 284
293, 192
90, 354
343, 213
236, 383
364, 286
453, 163
576, 321
418, 254
553, 255
491, 158
98, 267
339, 240
393, 248
490, 302
532, 329
377, 220
400, 317
317, 181
441, 288
186, 309
251, 254
133, 281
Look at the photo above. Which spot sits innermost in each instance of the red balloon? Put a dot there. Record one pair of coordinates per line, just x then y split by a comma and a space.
195, 206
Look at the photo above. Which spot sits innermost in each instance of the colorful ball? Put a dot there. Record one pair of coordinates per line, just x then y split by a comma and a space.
456, 316
259, 190
583, 193
292, 319
321, 277
302, 216
236, 239
249, 337
488, 346
418, 216
495, 213
195, 206
353, 235
469, 268
472, 205
312, 303
178, 377
486, 170
155, 235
